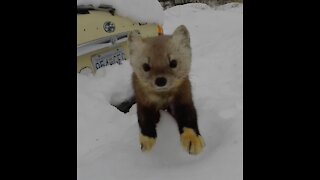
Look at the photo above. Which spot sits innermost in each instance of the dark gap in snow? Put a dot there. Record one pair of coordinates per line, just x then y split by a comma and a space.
126, 105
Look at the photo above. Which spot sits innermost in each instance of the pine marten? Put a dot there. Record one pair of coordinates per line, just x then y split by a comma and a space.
160, 81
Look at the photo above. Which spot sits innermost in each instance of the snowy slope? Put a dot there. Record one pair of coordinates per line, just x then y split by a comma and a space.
108, 147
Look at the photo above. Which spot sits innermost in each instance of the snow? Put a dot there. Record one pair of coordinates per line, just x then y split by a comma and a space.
108, 145
149, 11
231, 7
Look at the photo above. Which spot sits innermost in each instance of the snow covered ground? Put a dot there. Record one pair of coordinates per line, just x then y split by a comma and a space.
108, 147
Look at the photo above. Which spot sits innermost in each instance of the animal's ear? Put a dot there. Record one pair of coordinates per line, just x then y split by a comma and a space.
134, 40
181, 36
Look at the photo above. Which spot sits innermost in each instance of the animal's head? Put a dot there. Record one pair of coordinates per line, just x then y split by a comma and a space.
161, 62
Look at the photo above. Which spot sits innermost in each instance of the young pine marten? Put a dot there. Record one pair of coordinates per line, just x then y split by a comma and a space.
160, 81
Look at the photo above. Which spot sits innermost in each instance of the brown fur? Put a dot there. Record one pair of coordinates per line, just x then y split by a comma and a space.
175, 96
146, 96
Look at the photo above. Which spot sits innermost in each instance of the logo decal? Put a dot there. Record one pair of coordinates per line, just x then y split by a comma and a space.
109, 27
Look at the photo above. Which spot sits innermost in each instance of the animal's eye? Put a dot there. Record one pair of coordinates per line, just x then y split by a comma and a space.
146, 67
173, 63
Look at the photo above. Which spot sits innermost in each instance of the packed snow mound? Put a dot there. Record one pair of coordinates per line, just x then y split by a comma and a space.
149, 11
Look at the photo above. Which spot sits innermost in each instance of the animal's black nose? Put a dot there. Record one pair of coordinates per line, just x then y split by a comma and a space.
161, 81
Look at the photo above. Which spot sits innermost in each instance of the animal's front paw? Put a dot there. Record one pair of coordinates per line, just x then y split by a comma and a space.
146, 142
191, 142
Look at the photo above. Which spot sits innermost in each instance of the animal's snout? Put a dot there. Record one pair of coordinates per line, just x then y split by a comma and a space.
161, 81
